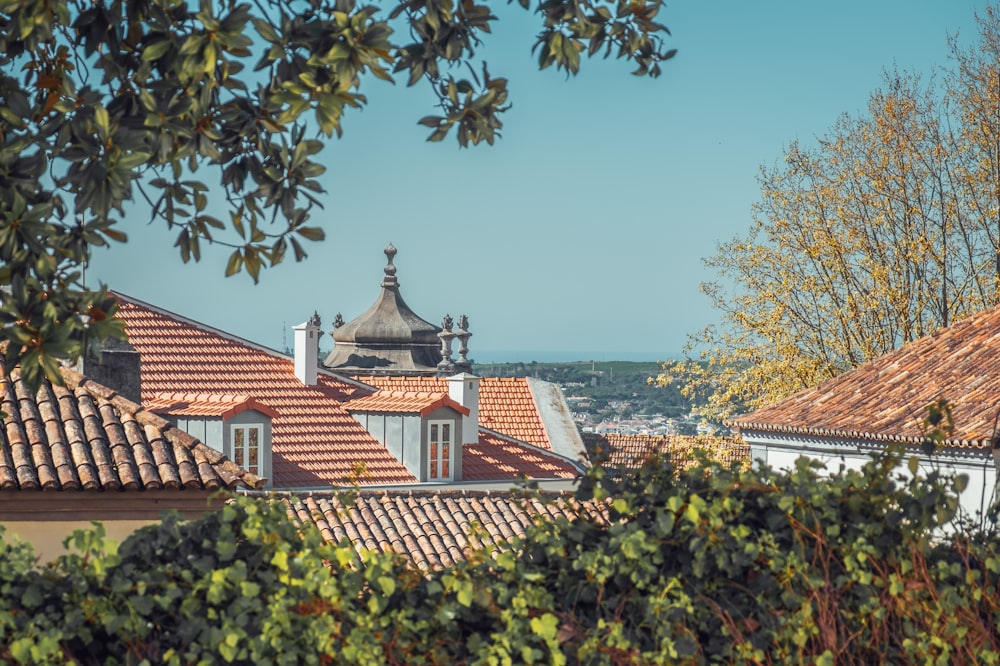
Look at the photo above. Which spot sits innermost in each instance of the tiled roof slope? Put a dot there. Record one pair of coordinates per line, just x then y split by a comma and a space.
887, 399
406, 402
496, 457
315, 441
506, 404
631, 451
84, 437
222, 405
433, 529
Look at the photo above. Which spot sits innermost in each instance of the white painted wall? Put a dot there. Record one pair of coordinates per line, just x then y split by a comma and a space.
781, 452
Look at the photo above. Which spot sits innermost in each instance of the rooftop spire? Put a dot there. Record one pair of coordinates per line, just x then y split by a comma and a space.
390, 270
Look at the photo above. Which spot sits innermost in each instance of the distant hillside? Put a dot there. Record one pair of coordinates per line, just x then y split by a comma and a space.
489, 357
606, 385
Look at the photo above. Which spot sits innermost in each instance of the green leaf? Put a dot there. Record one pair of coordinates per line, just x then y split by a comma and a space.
234, 264
229, 647
266, 30
439, 134
328, 110
299, 251
102, 120
311, 233
388, 585
132, 160
115, 235
464, 593
545, 626
156, 50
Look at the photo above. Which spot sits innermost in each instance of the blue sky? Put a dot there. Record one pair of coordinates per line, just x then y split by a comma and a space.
583, 229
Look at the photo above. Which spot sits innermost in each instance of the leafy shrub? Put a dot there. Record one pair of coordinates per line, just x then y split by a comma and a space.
701, 565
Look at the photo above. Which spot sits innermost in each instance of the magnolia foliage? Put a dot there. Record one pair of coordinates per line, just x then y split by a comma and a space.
105, 102
885, 230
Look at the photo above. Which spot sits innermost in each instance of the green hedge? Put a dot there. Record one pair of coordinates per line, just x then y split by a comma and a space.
707, 565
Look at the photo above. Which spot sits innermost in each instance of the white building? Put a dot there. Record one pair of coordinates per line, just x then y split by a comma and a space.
886, 401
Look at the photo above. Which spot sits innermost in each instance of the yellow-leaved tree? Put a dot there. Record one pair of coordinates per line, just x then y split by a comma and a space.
885, 230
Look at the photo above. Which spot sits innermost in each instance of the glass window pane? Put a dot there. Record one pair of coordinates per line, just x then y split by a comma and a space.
434, 432
446, 432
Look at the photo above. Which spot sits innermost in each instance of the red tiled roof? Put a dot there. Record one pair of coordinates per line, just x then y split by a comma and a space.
406, 402
433, 529
631, 451
85, 437
506, 404
315, 441
886, 399
224, 405
496, 457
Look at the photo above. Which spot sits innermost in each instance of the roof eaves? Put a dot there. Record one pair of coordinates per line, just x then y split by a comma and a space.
857, 434
200, 326
231, 473
445, 401
250, 403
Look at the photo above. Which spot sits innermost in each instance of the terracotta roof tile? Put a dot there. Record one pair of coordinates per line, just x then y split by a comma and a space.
315, 441
886, 399
413, 402
84, 437
497, 457
506, 404
222, 405
433, 529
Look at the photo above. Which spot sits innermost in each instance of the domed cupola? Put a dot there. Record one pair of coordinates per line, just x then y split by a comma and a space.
388, 338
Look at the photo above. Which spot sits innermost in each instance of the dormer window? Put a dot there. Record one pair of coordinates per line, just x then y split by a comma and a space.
237, 425
421, 430
440, 444
246, 442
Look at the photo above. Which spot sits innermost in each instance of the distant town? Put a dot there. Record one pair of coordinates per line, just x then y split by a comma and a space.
612, 396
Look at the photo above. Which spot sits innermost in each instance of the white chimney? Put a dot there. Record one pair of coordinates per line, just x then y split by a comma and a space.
307, 350
463, 388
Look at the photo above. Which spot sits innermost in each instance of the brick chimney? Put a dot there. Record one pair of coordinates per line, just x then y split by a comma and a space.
119, 368
463, 388
307, 350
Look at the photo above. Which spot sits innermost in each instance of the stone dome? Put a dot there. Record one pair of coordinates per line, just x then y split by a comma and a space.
388, 337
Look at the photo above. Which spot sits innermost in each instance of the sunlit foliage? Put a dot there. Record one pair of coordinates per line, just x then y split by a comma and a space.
884, 230
706, 565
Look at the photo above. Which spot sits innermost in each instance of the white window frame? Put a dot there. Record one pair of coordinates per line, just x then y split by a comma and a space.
242, 457
440, 450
